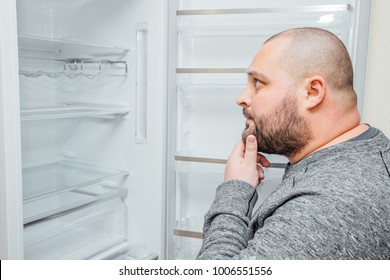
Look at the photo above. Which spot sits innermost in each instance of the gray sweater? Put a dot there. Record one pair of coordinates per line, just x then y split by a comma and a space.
334, 204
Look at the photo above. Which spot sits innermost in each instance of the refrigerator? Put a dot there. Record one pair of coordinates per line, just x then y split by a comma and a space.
117, 117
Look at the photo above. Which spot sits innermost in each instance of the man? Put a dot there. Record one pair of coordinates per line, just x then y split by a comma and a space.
334, 199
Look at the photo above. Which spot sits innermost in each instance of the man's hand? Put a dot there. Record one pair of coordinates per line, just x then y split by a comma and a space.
245, 164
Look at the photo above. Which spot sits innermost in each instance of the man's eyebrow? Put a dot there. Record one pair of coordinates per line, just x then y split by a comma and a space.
255, 73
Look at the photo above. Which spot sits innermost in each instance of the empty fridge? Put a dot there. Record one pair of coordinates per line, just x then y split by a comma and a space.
118, 117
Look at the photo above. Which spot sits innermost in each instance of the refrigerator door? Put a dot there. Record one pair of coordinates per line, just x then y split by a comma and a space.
84, 128
11, 205
214, 43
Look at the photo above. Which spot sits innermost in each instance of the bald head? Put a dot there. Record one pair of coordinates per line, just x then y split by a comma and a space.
313, 51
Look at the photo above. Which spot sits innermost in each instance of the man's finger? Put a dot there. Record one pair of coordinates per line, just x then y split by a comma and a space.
263, 160
251, 149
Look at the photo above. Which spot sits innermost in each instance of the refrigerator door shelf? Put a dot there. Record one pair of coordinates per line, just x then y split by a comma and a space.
187, 244
202, 34
195, 193
66, 201
188, 233
248, 22
217, 165
197, 180
213, 165
205, 116
72, 111
77, 234
54, 177
211, 78
210, 70
65, 49
255, 8
126, 251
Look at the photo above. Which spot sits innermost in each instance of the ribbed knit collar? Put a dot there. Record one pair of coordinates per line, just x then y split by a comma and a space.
375, 144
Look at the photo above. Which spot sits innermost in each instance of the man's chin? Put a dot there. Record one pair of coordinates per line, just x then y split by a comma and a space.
246, 133
260, 148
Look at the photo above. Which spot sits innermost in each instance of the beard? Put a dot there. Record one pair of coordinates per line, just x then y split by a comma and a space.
284, 132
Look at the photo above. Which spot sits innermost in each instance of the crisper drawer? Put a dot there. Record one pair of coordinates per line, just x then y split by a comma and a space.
58, 185
77, 234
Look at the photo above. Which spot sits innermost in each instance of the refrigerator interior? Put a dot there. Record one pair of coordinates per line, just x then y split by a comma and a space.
121, 158
92, 144
215, 42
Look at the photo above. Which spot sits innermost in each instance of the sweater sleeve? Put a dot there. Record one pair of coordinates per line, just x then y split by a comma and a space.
304, 225
293, 228
225, 232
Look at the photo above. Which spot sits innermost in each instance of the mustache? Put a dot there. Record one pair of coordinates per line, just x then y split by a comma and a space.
247, 114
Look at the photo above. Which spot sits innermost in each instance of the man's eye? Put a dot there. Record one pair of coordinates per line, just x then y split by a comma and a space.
258, 83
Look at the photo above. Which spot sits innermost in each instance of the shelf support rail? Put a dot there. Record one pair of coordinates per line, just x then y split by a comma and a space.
315, 8
220, 161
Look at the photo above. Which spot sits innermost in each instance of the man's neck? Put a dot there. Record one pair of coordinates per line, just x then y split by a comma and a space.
312, 148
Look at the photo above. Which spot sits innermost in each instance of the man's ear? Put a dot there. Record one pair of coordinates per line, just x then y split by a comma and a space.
315, 91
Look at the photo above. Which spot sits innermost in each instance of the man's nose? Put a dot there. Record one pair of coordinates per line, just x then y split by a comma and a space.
245, 98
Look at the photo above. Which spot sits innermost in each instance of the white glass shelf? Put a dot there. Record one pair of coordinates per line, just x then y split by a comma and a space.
59, 203
59, 178
55, 75
77, 234
232, 81
67, 48
71, 111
